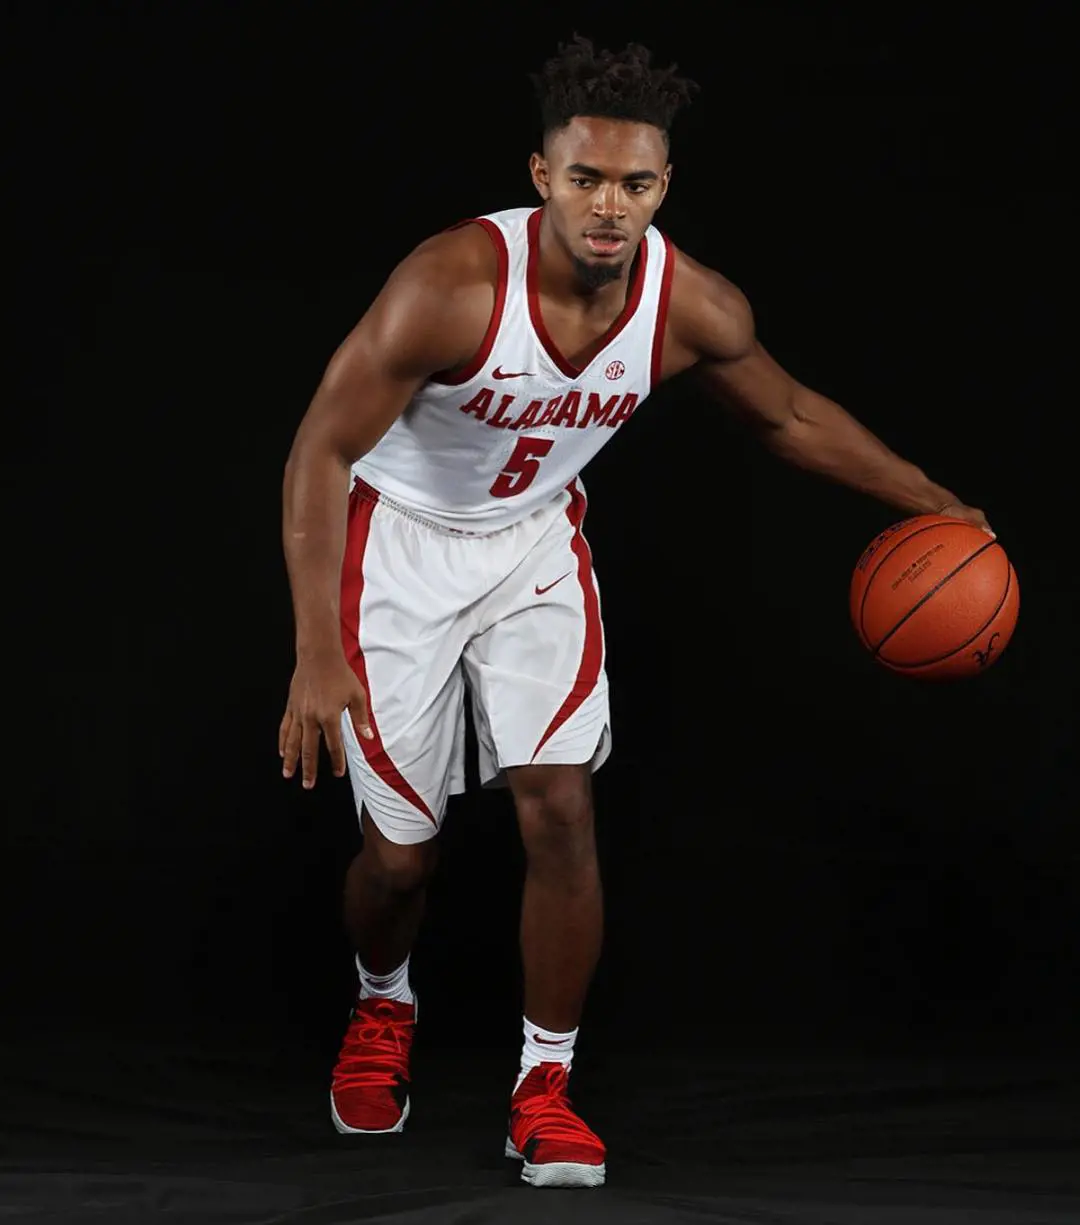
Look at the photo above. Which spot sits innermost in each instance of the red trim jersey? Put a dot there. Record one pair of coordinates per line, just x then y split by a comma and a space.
484, 448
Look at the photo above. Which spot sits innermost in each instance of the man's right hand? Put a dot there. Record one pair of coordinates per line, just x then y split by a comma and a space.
321, 689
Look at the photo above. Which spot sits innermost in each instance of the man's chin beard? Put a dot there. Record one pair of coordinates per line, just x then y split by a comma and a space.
595, 276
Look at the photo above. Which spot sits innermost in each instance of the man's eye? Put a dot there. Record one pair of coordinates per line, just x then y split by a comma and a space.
581, 182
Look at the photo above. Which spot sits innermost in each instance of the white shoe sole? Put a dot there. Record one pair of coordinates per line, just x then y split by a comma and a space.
558, 1173
345, 1130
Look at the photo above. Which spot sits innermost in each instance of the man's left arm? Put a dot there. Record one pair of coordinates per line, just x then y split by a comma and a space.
797, 424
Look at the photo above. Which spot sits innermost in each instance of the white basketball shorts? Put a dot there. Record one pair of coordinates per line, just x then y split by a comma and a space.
514, 614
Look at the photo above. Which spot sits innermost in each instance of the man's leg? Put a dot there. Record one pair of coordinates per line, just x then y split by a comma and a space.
383, 906
562, 906
385, 889
561, 934
536, 671
400, 778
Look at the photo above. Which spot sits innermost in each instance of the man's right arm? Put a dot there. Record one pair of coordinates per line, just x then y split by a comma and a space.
430, 316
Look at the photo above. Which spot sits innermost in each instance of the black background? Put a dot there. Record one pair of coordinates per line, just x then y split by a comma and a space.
800, 850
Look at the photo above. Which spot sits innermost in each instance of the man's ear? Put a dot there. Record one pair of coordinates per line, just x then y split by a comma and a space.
541, 178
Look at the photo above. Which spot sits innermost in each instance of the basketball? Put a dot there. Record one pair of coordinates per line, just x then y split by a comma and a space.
934, 598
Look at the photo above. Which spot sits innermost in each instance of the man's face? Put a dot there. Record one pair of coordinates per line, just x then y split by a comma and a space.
602, 180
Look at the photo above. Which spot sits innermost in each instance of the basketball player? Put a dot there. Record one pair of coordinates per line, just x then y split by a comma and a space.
433, 514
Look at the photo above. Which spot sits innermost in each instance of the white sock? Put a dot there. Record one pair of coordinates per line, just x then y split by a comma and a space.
543, 1046
392, 986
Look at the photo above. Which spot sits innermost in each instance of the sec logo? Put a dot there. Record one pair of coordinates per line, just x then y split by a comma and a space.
615, 370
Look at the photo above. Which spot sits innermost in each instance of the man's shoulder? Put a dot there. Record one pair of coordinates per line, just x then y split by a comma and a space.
440, 297
705, 305
463, 256
694, 281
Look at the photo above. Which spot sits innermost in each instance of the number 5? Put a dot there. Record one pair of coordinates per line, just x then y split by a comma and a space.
522, 467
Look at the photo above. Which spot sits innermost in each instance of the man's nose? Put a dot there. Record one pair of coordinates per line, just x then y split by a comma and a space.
609, 204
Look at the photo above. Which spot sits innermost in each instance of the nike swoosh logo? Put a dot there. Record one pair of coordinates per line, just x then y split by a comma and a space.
541, 590
500, 373
536, 1037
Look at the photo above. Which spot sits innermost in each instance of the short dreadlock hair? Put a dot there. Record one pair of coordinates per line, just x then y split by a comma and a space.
579, 80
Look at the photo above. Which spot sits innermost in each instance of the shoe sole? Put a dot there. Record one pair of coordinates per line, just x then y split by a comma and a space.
558, 1173
345, 1130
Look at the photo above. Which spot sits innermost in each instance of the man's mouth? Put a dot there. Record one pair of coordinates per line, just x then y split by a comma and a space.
605, 242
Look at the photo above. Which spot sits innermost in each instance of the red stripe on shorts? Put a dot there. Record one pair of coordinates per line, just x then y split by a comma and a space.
362, 502
592, 648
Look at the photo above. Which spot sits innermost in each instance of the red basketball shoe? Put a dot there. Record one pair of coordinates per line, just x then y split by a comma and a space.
370, 1088
558, 1149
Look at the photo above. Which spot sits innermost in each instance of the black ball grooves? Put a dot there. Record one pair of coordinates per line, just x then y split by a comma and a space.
990, 544
873, 573
925, 663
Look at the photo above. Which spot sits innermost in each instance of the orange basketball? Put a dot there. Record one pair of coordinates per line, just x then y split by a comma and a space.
934, 597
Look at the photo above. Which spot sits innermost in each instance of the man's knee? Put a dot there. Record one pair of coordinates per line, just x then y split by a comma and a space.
554, 806
396, 867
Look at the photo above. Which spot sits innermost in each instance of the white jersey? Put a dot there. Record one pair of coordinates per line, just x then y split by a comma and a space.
485, 448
